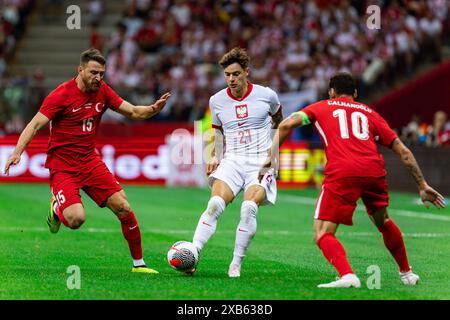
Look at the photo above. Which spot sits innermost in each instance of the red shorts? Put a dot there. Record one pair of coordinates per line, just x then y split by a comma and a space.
337, 199
98, 183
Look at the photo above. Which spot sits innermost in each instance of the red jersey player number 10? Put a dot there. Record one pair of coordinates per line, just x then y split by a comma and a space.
359, 124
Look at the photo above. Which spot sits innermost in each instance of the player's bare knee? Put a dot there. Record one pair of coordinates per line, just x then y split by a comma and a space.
122, 208
255, 194
75, 221
74, 215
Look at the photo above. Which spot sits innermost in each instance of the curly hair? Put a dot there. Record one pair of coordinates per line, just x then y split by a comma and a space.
235, 55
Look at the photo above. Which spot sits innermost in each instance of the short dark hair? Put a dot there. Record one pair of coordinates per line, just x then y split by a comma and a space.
343, 83
92, 54
235, 55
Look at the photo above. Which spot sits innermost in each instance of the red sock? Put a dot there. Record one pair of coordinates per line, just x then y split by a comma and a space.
61, 216
132, 233
334, 252
393, 240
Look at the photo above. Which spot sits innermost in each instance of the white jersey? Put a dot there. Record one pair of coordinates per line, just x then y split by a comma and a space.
246, 122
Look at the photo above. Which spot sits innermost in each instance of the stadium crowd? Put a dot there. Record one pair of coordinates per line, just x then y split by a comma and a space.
161, 45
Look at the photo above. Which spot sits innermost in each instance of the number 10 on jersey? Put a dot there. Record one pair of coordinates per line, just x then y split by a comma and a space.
359, 123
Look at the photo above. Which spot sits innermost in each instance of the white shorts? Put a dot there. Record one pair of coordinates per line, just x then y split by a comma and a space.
240, 177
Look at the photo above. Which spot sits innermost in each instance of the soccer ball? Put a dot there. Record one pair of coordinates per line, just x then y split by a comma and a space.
182, 256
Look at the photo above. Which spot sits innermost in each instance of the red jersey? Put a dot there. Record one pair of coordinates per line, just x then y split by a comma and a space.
349, 131
75, 116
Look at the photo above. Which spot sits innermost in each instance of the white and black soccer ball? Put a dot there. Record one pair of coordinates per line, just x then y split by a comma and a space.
182, 256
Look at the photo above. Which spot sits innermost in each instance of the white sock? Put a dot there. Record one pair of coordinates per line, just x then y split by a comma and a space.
208, 222
138, 262
245, 231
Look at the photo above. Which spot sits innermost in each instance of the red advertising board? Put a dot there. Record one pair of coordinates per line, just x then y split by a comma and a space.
146, 160
140, 160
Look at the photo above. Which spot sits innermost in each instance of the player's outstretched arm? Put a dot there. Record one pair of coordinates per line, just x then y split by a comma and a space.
38, 122
296, 119
143, 112
427, 193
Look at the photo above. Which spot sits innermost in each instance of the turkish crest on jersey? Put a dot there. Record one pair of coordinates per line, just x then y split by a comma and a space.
241, 111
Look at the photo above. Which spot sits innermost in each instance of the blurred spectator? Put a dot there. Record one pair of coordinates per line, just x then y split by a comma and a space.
15, 95
141, 7
410, 133
95, 11
95, 38
423, 133
439, 132
431, 29
148, 36
37, 92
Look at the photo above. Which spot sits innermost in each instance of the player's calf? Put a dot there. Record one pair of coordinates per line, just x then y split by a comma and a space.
393, 240
207, 224
245, 232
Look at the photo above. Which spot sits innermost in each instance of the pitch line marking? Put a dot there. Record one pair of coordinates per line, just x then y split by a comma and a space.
261, 232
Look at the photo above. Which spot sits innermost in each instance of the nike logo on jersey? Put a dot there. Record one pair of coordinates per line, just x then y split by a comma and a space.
131, 228
241, 123
75, 109
242, 230
206, 224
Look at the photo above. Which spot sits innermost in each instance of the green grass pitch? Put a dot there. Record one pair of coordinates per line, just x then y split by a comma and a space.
282, 263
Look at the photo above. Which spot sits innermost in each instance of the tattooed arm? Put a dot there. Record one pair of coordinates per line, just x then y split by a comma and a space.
409, 161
